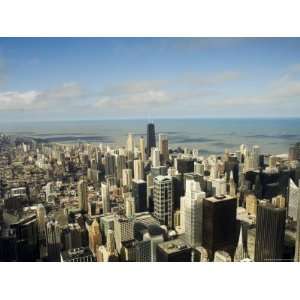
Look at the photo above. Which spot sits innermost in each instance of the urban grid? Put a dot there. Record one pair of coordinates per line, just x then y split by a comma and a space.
146, 202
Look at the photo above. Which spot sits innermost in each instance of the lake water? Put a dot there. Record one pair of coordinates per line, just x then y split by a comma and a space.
209, 135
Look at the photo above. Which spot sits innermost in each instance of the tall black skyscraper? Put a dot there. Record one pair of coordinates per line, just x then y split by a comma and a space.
150, 138
270, 226
219, 225
139, 193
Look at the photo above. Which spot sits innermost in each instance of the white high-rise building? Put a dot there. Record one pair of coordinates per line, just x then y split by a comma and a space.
193, 213
198, 168
83, 195
129, 207
155, 157
105, 197
142, 148
41, 220
294, 212
163, 199
138, 166
127, 178
123, 228
130, 142
220, 186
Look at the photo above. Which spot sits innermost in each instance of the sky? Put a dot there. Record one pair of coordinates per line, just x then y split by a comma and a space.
109, 78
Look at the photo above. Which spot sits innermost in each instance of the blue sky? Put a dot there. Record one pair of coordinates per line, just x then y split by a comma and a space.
100, 78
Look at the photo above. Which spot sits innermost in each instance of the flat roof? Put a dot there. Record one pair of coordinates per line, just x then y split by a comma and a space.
173, 246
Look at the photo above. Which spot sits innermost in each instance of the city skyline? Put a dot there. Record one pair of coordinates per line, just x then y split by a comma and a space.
110, 78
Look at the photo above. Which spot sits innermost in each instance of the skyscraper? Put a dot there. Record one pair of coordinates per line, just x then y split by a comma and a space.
151, 141
105, 197
193, 213
155, 157
83, 195
127, 178
163, 147
219, 224
138, 167
139, 193
95, 239
130, 142
270, 227
142, 148
163, 200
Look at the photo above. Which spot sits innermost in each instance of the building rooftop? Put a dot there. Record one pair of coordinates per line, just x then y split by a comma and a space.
219, 198
173, 246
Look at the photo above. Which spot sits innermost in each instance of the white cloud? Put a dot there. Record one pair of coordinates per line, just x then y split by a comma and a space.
33, 100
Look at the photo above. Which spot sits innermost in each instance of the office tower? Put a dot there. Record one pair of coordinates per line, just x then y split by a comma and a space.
150, 188
278, 201
219, 187
155, 157
200, 254
130, 143
174, 251
105, 198
232, 186
81, 254
294, 200
143, 250
138, 166
72, 236
222, 256
176, 220
193, 213
198, 168
251, 204
106, 223
109, 164
258, 188
296, 194
163, 147
256, 157
129, 207
120, 166
147, 229
123, 228
127, 178
270, 228
214, 172
163, 199
53, 233
95, 239
139, 193
111, 243
184, 165
83, 195
142, 148
109, 252
294, 152
41, 220
178, 190
151, 141
219, 224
